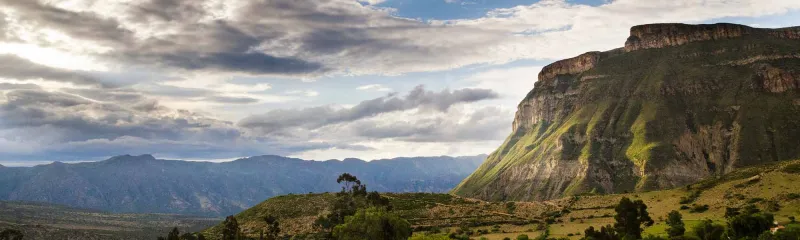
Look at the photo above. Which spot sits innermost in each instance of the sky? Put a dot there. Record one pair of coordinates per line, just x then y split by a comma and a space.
83, 80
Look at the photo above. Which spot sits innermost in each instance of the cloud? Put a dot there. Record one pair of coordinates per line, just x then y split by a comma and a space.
316, 117
15, 67
484, 124
306, 38
78, 124
231, 100
375, 87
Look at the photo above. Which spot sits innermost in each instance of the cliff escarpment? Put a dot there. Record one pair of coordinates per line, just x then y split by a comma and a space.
678, 103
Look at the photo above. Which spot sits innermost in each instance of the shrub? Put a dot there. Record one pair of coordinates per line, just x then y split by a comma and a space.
684, 207
373, 223
699, 208
523, 237
707, 230
793, 168
792, 196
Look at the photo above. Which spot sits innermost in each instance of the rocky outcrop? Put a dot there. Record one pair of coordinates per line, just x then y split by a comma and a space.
668, 34
573, 65
713, 98
777, 80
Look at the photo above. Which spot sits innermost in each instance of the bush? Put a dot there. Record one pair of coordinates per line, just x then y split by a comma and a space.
373, 223
684, 207
707, 230
755, 200
523, 237
792, 196
793, 168
699, 208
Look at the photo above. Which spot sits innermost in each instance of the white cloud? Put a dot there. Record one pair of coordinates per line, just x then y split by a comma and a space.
375, 87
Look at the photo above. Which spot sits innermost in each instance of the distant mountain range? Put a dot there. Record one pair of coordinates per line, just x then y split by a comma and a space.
145, 184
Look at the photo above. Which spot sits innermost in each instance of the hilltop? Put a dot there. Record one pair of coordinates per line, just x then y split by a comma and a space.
677, 104
771, 187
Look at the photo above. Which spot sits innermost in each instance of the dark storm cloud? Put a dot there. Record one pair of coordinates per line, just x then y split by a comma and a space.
15, 67
315, 117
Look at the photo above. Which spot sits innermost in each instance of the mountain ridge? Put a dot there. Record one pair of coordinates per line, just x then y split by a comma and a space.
144, 184
676, 104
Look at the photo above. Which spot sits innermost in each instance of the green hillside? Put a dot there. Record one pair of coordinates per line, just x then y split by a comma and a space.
770, 187
632, 120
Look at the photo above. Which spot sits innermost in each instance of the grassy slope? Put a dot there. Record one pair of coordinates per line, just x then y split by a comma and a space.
297, 212
647, 101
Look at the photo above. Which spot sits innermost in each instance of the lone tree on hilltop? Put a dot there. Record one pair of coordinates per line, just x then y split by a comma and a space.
351, 184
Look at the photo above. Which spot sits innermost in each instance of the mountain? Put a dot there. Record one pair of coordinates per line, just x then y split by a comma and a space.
770, 187
678, 103
145, 184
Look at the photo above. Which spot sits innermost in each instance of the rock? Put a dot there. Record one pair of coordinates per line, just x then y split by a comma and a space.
671, 34
777, 80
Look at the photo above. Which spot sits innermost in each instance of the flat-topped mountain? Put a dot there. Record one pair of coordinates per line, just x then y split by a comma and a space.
146, 184
678, 103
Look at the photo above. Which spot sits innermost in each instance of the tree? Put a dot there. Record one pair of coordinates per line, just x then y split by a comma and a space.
273, 227
188, 236
230, 230
200, 236
749, 225
707, 230
675, 223
11, 234
522, 237
352, 184
631, 216
174, 234
375, 199
375, 224
791, 232
606, 233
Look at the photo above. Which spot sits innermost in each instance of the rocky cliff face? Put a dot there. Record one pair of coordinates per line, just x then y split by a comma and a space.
677, 104
665, 35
